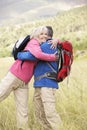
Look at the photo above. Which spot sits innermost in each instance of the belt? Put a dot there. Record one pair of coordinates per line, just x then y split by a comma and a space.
51, 75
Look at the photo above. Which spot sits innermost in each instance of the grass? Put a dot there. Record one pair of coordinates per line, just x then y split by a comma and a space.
68, 25
71, 100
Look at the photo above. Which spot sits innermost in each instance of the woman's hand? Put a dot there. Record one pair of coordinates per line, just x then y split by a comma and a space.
54, 43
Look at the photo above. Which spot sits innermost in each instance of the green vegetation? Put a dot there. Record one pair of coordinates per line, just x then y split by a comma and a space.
69, 25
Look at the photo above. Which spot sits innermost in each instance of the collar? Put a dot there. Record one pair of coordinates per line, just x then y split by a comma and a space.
49, 39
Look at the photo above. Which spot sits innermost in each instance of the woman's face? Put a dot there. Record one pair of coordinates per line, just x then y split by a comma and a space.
42, 36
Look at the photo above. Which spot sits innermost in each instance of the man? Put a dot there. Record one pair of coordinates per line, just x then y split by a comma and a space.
45, 87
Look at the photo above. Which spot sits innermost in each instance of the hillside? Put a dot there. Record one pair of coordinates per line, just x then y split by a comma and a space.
68, 25
22, 11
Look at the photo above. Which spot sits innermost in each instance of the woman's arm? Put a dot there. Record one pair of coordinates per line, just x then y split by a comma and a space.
34, 48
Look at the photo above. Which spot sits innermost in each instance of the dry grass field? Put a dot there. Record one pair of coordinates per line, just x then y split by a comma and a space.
71, 99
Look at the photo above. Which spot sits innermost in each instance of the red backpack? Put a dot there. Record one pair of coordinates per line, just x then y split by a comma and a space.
65, 54
65, 60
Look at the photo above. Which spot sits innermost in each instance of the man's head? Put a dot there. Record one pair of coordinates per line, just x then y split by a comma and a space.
50, 32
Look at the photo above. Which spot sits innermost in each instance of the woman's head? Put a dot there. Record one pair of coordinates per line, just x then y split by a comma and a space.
40, 34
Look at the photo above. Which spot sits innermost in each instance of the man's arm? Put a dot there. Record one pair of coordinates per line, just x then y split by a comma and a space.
26, 55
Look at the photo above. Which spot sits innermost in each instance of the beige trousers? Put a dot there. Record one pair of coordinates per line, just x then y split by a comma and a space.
46, 114
20, 89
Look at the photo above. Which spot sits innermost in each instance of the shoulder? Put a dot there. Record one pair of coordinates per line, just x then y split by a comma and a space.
33, 41
46, 44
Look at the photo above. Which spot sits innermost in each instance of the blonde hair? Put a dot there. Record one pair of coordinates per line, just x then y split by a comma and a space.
37, 31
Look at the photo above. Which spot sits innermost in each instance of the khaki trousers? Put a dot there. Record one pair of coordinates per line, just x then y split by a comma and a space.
20, 89
46, 114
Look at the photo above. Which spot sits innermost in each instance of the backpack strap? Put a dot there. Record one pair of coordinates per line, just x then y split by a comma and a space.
53, 74
52, 68
50, 75
59, 61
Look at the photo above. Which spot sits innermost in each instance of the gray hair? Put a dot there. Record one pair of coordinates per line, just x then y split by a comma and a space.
37, 31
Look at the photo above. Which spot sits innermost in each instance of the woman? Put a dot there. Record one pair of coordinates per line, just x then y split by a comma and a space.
20, 74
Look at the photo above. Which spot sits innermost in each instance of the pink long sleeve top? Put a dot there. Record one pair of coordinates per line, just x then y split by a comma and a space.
25, 71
